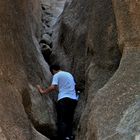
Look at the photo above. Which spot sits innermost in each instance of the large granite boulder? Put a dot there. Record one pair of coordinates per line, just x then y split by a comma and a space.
98, 41
21, 68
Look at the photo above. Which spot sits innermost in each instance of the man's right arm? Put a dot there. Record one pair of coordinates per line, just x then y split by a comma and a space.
47, 90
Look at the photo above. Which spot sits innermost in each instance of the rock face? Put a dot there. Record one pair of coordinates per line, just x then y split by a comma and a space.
98, 41
51, 10
21, 68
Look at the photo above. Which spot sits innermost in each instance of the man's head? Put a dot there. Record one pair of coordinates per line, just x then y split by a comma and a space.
54, 68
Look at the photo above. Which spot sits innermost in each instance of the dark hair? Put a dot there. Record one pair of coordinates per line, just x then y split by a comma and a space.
54, 67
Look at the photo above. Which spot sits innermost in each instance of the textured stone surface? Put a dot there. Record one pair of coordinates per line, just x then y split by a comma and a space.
98, 41
21, 68
86, 45
129, 125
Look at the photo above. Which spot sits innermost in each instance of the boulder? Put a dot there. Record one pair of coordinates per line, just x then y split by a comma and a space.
22, 67
98, 41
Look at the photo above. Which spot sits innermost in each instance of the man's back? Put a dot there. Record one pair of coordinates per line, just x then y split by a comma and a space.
66, 85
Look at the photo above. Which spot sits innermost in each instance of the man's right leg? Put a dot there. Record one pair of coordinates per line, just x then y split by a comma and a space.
71, 105
61, 123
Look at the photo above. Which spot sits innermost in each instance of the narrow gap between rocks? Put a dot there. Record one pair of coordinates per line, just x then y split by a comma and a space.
50, 13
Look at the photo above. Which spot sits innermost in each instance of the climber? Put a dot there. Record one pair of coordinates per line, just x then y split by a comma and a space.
63, 82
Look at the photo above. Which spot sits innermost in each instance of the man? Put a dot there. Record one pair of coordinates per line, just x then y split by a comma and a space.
63, 82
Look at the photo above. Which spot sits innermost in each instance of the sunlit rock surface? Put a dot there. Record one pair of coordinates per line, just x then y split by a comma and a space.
21, 68
99, 40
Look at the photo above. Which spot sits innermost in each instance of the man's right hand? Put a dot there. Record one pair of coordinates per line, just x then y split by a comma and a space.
40, 89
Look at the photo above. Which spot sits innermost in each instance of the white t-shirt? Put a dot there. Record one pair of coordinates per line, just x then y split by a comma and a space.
66, 85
